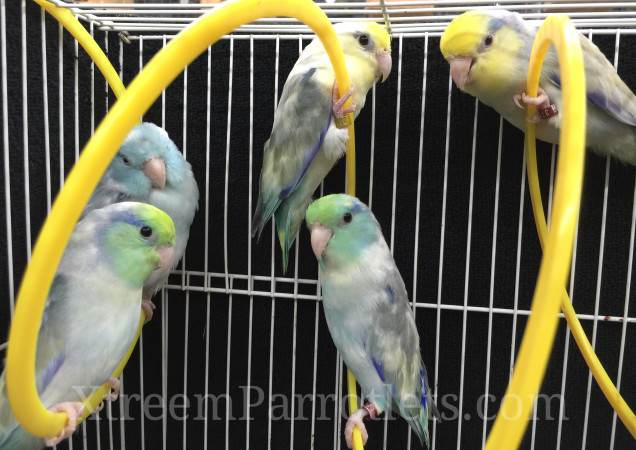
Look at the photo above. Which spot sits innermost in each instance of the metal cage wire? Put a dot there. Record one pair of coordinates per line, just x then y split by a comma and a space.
146, 23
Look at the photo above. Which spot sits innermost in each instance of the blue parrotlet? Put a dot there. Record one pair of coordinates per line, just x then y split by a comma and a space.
305, 141
368, 314
92, 311
149, 168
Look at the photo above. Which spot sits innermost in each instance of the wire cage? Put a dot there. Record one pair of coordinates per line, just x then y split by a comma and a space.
238, 354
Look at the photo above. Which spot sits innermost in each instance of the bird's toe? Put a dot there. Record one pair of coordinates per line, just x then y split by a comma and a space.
73, 411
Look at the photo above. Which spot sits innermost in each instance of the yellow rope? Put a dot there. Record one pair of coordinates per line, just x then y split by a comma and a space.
538, 338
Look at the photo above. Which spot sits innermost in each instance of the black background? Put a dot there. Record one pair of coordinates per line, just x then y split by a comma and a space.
232, 313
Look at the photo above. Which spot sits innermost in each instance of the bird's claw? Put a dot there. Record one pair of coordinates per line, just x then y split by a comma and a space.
149, 308
338, 103
115, 387
73, 410
545, 109
357, 420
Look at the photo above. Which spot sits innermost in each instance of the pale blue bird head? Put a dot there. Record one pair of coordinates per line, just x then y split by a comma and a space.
148, 159
342, 228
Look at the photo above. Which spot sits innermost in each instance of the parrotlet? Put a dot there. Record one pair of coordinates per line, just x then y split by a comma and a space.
305, 142
489, 52
92, 310
149, 168
368, 314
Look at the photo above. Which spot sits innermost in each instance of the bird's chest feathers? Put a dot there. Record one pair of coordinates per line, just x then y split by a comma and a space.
353, 288
118, 309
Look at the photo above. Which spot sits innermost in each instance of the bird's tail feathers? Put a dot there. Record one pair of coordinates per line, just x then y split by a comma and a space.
419, 424
285, 236
264, 211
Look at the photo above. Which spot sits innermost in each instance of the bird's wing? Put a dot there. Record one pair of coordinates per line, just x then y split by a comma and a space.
393, 346
49, 360
50, 353
605, 89
300, 124
103, 196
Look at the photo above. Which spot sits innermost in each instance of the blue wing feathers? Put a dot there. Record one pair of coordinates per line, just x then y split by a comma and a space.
50, 371
309, 157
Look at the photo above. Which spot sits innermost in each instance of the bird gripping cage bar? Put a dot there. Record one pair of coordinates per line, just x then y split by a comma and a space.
99, 151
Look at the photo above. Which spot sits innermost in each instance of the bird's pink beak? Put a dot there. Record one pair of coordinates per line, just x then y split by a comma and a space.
460, 70
165, 256
383, 58
155, 169
320, 236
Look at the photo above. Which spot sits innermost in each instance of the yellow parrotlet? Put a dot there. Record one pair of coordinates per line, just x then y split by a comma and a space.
488, 52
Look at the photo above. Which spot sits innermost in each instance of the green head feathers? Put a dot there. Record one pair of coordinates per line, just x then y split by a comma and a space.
134, 236
351, 224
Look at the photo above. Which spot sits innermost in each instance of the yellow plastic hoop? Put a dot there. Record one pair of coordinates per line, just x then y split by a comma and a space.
65, 17
98, 152
94, 51
614, 397
538, 338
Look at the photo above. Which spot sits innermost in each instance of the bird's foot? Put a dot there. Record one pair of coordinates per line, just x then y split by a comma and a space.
337, 107
148, 308
113, 395
73, 410
115, 387
357, 420
545, 108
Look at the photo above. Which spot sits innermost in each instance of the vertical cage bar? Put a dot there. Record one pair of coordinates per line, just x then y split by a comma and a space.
440, 273
295, 318
5, 156
165, 314
396, 144
186, 325
109, 406
122, 392
76, 99
141, 336
515, 307
372, 147
469, 233
206, 241
225, 239
550, 198
45, 109
491, 293
628, 286
25, 133
60, 101
76, 152
272, 278
249, 247
418, 198
599, 276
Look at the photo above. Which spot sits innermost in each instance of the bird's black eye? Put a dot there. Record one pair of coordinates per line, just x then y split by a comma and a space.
125, 160
488, 40
145, 231
363, 39
347, 217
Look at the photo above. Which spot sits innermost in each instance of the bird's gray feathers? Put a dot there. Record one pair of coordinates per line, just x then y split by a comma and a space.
605, 89
301, 121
